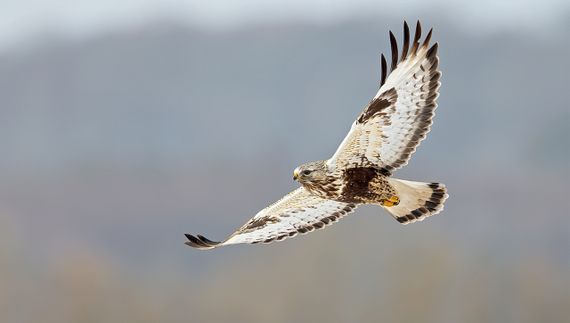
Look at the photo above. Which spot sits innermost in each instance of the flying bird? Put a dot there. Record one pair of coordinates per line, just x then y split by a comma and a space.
380, 141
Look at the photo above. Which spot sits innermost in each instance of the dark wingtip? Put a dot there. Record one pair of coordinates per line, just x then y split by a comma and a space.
428, 38
406, 41
384, 70
200, 242
394, 46
433, 50
407, 49
417, 36
208, 241
194, 241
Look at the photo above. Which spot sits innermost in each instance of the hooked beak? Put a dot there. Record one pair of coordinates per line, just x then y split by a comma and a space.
295, 174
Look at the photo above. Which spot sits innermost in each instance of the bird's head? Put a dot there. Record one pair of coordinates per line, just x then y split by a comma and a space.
310, 172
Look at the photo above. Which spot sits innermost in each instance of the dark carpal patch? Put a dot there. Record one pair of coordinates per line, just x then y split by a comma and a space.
256, 224
378, 105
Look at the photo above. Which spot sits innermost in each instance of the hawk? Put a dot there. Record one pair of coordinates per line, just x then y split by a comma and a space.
381, 140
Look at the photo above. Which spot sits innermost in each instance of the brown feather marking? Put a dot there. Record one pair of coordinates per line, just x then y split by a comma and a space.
433, 204
364, 185
200, 242
406, 41
357, 180
384, 70
258, 223
378, 105
432, 52
417, 35
428, 37
394, 46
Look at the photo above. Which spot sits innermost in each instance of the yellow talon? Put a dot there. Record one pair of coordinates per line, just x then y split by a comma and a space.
392, 201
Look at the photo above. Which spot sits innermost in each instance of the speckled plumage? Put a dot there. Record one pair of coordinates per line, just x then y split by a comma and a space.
381, 140
361, 185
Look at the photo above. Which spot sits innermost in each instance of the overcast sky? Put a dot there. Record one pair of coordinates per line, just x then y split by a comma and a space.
21, 20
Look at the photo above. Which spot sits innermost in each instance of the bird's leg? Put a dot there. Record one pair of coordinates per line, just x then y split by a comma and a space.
392, 201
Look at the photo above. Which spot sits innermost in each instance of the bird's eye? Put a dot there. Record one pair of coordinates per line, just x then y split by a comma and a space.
306, 172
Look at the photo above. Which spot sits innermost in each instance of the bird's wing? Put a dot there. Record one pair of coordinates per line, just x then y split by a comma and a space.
398, 118
297, 212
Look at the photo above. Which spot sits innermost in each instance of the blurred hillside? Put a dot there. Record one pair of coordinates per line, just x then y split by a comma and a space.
156, 96
114, 146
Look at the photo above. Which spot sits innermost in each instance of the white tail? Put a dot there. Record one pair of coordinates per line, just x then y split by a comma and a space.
417, 200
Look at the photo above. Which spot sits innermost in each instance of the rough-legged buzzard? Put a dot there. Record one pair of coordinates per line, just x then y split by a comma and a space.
381, 140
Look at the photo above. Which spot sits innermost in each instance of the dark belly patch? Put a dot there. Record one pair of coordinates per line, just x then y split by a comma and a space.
357, 188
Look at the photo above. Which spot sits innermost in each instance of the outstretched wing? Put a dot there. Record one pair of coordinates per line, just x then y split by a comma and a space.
398, 118
297, 212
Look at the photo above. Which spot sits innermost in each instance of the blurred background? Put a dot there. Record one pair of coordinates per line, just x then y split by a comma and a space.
125, 124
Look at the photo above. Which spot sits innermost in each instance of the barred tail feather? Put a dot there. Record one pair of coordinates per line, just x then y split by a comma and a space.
417, 200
